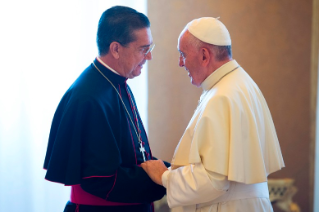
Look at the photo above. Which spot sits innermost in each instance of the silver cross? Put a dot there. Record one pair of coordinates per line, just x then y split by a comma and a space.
142, 150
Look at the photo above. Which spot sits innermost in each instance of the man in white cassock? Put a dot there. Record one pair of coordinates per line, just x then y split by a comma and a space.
230, 145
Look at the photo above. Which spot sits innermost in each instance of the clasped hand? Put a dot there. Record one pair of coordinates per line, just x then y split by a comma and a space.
155, 170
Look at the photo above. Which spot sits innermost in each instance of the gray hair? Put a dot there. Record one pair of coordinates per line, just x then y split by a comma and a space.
221, 52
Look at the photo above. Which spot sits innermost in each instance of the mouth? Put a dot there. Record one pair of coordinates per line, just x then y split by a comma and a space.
141, 64
188, 72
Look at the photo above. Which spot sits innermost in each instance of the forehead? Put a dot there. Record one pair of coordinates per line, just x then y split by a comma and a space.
182, 41
143, 37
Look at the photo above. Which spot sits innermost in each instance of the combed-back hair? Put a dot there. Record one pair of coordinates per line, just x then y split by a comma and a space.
118, 24
222, 52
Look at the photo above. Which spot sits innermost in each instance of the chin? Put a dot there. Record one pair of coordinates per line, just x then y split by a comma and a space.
135, 74
195, 83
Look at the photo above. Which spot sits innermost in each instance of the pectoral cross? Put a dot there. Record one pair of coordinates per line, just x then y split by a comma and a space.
142, 150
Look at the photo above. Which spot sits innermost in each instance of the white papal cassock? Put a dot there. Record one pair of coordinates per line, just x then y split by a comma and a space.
228, 149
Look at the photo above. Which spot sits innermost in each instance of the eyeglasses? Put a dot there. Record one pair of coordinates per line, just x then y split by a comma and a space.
143, 50
148, 49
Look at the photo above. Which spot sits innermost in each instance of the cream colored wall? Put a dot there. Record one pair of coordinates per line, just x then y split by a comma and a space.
271, 40
314, 146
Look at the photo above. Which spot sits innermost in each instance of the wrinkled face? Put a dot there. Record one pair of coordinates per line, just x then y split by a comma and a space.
190, 59
134, 55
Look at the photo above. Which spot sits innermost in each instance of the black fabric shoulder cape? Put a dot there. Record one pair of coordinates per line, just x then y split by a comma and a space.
92, 137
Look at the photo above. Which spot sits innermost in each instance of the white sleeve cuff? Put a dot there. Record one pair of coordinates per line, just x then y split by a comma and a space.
164, 178
192, 184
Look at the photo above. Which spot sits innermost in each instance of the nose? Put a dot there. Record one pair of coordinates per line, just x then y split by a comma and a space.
149, 56
181, 62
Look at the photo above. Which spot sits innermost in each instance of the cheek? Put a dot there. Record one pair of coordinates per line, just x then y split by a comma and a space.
136, 60
189, 65
194, 70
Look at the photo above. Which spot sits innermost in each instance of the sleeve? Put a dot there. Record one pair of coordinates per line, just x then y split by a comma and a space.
129, 185
193, 184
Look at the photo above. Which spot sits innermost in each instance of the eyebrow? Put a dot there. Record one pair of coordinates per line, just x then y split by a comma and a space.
181, 52
147, 45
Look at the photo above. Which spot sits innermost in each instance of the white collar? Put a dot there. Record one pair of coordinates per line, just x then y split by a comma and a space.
218, 74
108, 67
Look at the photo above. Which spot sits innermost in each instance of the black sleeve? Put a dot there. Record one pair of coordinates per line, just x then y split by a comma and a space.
128, 185
167, 164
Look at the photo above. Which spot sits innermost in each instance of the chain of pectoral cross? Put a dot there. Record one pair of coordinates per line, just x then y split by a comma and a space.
138, 134
141, 148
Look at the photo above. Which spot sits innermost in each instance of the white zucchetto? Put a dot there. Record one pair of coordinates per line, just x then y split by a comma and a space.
209, 30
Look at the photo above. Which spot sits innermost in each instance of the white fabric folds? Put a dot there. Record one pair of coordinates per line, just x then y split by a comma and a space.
231, 132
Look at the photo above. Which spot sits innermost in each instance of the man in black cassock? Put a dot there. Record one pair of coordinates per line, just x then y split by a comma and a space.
97, 139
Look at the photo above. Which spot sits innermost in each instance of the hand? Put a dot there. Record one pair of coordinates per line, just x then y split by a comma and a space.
155, 170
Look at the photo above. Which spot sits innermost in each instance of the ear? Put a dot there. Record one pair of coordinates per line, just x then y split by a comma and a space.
114, 49
205, 56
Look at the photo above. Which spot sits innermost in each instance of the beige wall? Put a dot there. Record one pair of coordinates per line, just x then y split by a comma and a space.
271, 40
314, 106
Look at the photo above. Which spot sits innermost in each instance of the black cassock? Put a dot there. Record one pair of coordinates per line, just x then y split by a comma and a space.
93, 144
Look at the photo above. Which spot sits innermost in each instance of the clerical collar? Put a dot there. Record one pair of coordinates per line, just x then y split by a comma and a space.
108, 67
218, 74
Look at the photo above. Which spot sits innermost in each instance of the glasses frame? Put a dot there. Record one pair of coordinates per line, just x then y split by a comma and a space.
150, 49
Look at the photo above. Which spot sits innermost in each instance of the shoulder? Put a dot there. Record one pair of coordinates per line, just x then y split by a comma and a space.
235, 86
82, 99
91, 86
